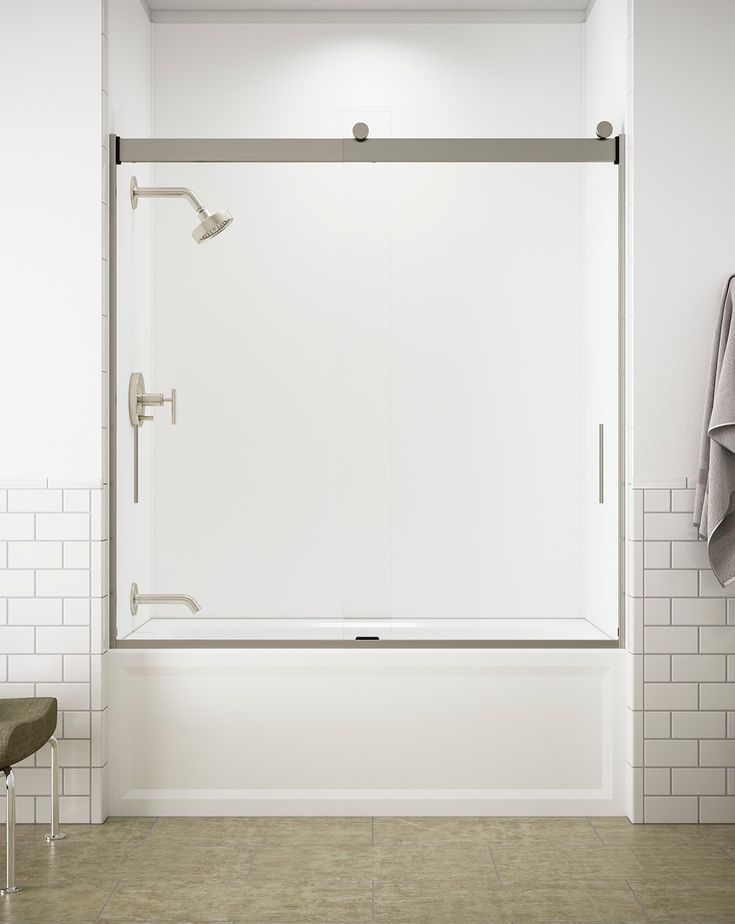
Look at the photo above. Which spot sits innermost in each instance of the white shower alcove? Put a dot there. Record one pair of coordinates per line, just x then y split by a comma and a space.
390, 381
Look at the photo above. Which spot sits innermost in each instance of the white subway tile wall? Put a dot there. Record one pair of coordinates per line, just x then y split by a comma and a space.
53, 595
53, 636
681, 625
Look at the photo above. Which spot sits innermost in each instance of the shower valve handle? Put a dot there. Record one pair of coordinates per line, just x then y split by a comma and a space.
172, 401
159, 400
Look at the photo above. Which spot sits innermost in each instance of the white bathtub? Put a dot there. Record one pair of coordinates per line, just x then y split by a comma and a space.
366, 732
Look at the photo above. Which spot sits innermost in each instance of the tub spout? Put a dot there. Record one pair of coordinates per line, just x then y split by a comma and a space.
137, 599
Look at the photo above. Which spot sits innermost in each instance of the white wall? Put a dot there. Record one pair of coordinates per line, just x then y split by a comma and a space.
486, 80
682, 623
51, 244
77, 63
130, 63
684, 233
53, 566
605, 87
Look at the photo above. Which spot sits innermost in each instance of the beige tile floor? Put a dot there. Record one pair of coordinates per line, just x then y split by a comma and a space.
390, 870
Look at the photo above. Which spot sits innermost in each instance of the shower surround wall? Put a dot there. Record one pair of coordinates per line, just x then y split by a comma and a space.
382, 516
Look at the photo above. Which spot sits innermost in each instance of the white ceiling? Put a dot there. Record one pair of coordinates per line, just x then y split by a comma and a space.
359, 5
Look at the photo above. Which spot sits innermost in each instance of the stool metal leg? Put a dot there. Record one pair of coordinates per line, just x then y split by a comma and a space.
10, 883
54, 835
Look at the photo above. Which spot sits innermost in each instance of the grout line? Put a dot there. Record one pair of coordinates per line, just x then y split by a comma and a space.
597, 833
252, 862
150, 830
102, 909
640, 903
492, 859
372, 899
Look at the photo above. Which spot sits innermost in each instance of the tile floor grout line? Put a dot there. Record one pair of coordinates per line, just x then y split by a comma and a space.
252, 861
107, 900
495, 865
597, 833
150, 830
372, 899
599, 836
635, 896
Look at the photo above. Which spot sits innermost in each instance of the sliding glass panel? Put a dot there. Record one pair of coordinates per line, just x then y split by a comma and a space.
389, 392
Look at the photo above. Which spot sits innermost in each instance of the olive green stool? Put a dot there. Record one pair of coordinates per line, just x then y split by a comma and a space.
25, 726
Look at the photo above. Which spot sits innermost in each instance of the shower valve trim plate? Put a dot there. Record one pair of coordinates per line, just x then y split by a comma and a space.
139, 400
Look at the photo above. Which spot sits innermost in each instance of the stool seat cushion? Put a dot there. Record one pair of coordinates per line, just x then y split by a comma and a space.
26, 724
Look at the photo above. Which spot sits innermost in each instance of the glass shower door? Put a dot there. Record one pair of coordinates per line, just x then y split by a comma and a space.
384, 396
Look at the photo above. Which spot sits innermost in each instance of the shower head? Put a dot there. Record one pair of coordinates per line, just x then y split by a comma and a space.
212, 225
211, 222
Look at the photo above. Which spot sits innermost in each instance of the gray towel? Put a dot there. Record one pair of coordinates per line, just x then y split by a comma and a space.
714, 502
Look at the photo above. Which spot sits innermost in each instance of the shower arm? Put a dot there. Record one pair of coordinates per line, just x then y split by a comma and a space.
166, 192
137, 599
